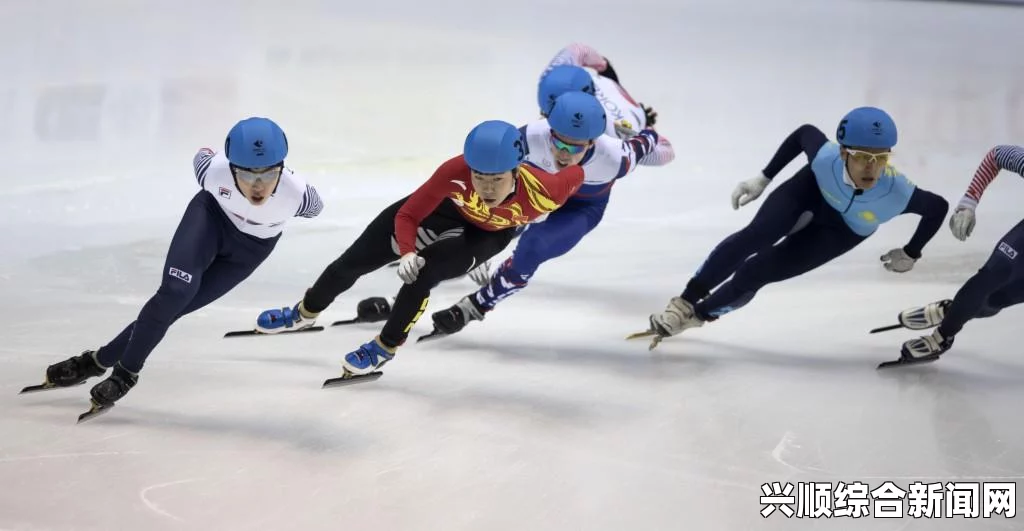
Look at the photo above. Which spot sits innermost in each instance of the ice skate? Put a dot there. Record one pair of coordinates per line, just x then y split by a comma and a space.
70, 372
924, 317
921, 350
280, 320
371, 310
453, 319
679, 315
362, 364
109, 391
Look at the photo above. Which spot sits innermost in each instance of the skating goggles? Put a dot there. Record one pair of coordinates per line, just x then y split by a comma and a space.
572, 149
864, 157
251, 175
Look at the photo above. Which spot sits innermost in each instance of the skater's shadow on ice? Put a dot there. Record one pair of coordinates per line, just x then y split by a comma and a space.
631, 359
316, 435
509, 403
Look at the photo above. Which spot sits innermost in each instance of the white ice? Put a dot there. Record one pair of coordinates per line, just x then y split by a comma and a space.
543, 417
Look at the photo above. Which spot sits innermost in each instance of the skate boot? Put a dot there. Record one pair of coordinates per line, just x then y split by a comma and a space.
120, 381
924, 317
373, 310
925, 348
367, 358
454, 318
74, 371
679, 315
285, 320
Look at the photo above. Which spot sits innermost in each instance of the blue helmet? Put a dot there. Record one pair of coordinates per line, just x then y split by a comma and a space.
578, 116
558, 81
256, 143
494, 146
868, 127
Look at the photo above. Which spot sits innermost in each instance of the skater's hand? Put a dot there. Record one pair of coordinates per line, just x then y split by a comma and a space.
409, 267
748, 191
650, 114
898, 261
962, 221
481, 274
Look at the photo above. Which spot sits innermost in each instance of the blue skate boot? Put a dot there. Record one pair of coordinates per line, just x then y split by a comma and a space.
363, 364
281, 320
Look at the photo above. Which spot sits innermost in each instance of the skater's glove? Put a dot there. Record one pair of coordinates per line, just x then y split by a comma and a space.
898, 261
749, 190
624, 129
962, 221
409, 267
481, 274
650, 114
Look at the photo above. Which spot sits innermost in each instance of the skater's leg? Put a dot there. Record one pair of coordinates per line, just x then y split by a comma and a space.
777, 216
1001, 269
193, 249
797, 254
1011, 294
554, 237
372, 250
445, 260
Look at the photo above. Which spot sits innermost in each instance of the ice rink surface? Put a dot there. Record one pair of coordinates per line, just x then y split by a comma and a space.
543, 417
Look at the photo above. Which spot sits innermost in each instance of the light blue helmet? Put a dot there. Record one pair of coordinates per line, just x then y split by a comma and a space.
494, 146
256, 143
867, 127
578, 116
558, 81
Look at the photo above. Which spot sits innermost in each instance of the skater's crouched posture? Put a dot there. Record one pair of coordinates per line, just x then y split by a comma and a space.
463, 215
829, 207
228, 229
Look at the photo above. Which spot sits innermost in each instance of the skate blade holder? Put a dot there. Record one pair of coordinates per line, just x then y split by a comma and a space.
655, 338
46, 386
351, 379
95, 411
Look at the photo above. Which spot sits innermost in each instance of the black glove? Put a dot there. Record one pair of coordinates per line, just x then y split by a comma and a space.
609, 72
651, 115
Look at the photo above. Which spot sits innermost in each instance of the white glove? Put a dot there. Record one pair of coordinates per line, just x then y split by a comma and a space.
898, 261
409, 267
481, 274
749, 190
962, 221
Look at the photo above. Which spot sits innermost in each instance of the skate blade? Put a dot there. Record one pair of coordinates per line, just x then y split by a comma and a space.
436, 334
885, 328
903, 361
45, 386
655, 338
254, 332
94, 412
350, 379
346, 322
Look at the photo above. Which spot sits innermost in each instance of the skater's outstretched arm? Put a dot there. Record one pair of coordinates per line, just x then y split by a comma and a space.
806, 139
932, 208
1003, 157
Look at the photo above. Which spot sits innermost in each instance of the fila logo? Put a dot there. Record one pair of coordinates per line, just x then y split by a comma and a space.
1007, 250
225, 193
460, 183
181, 275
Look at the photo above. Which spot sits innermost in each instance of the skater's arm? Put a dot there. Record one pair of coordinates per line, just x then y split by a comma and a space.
663, 153
932, 208
200, 163
426, 198
636, 149
1010, 158
311, 205
806, 139
578, 54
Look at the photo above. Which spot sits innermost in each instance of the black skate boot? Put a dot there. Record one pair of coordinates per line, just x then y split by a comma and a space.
453, 319
70, 372
373, 310
109, 391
